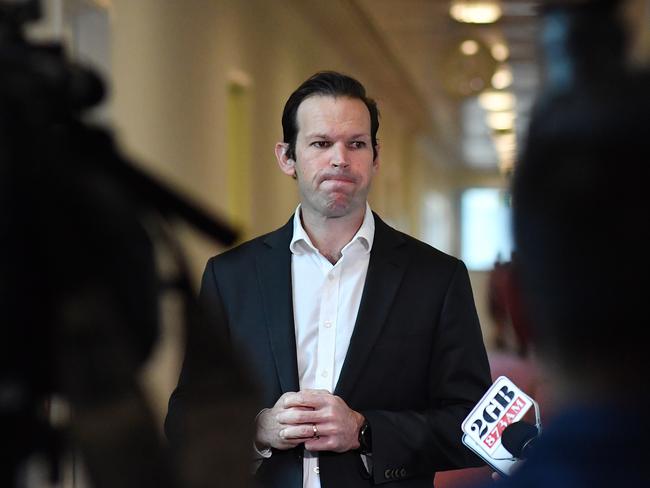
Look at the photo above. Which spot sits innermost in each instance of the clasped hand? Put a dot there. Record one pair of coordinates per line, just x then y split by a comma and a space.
292, 419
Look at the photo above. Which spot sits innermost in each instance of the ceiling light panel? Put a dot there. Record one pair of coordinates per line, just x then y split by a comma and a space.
475, 12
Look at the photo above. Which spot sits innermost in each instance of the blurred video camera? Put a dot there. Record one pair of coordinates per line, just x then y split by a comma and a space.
79, 284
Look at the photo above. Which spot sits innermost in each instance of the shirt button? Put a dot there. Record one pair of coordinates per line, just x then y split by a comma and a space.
324, 373
330, 276
327, 324
317, 470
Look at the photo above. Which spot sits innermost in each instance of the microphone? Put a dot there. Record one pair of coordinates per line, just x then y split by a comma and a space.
494, 429
519, 438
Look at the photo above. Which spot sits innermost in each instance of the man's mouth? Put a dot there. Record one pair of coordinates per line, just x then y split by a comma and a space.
338, 178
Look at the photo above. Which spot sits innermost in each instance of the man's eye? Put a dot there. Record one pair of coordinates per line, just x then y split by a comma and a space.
320, 144
358, 144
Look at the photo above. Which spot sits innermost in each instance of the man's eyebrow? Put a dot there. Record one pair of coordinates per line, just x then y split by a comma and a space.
317, 135
320, 135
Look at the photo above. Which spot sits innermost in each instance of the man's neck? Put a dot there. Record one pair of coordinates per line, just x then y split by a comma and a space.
330, 234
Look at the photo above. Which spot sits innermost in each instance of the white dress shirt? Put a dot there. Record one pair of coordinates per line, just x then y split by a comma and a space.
326, 300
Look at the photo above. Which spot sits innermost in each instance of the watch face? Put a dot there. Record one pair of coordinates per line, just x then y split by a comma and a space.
365, 438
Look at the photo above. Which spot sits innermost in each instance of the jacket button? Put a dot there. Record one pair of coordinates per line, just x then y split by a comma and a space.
387, 474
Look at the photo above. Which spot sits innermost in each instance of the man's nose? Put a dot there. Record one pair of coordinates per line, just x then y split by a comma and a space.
339, 156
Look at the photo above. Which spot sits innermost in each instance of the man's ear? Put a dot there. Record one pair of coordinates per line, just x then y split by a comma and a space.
287, 165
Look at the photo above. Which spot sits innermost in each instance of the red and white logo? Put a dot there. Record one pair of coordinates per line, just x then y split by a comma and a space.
503, 404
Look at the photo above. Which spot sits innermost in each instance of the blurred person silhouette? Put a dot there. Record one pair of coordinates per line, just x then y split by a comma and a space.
580, 230
365, 341
80, 232
512, 353
511, 332
497, 302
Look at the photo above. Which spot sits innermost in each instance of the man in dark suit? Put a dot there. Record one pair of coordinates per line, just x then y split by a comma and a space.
365, 342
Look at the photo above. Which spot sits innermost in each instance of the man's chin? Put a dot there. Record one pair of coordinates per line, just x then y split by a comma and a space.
333, 206
338, 209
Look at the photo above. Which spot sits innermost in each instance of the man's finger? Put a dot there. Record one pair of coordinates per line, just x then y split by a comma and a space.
298, 415
323, 443
306, 398
313, 391
303, 431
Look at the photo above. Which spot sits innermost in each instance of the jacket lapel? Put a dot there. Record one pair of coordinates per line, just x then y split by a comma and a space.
274, 271
386, 268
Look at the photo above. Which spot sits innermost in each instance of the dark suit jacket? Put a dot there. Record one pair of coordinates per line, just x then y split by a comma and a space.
415, 366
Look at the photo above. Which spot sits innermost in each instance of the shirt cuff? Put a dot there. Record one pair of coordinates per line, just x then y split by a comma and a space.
260, 454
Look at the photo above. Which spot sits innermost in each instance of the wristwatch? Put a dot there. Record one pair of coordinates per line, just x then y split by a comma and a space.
365, 438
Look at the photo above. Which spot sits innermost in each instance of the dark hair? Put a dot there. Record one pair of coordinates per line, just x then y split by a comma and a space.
329, 83
579, 193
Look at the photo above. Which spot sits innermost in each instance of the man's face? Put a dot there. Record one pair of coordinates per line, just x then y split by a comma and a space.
334, 157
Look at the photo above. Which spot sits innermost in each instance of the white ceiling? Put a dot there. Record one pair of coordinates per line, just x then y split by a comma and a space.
425, 40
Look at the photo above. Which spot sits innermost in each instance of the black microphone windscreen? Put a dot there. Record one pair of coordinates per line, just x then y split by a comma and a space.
517, 437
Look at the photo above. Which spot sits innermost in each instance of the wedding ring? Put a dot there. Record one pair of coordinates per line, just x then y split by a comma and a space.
315, 436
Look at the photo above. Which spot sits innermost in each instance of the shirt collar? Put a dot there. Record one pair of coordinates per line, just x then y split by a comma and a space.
300, 242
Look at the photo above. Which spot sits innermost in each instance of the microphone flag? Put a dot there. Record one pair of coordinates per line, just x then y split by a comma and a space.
503, 404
